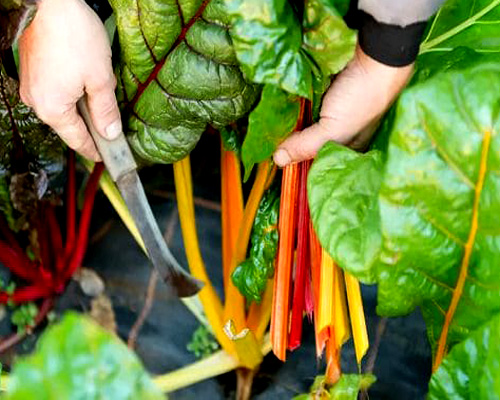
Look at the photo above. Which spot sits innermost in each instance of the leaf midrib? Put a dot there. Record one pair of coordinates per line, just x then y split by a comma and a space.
156, 70
469, 246
428, 45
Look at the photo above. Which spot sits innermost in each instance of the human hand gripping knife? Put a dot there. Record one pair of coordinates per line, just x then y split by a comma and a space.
122, 168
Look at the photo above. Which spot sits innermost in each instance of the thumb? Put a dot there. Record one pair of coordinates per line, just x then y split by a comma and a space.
304, 145
104, 110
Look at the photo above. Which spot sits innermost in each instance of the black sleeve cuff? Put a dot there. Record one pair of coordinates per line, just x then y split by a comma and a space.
392, 45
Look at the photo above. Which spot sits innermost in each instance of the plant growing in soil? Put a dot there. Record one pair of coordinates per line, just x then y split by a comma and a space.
415, 214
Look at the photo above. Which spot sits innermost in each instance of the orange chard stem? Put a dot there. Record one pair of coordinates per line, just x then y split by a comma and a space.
231, 208
235, 305
259, 314
208, 297
284, 264
333, 370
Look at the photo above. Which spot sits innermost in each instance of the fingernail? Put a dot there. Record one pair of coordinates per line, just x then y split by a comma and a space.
282, 158
113, 130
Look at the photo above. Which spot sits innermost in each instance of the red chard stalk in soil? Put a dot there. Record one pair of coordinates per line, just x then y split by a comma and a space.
55, 262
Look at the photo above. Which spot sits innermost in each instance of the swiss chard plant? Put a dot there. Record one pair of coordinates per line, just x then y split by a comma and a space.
417, 214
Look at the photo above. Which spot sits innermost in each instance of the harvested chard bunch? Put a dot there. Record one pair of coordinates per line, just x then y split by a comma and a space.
308, 281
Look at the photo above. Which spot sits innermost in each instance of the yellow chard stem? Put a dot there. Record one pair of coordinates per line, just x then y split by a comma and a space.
115, 198
209, 299
358, 323
341, 319
216, 364
234, 310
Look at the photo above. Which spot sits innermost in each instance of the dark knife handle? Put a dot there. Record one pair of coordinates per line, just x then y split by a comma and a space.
115, 153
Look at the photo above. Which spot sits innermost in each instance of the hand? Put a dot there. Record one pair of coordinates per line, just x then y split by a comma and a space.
351, 108
65, 53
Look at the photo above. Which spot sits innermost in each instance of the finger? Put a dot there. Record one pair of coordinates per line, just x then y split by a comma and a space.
72, 130
104, 109
304, 145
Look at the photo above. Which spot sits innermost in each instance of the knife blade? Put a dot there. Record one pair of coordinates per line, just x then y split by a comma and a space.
120, 163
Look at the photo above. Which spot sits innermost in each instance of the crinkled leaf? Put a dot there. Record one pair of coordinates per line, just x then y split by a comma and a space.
250, 277
434, 205
267, 37
24, 139
177, 73
273, 47
29, 152
268, 125
470, 371
77, 359
343, 190
231, 140
473, 24
327, 39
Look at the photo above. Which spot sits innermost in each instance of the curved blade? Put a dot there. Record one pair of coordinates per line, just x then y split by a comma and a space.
177, 279
121, 166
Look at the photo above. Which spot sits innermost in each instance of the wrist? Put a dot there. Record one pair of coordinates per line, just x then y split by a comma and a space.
389, 79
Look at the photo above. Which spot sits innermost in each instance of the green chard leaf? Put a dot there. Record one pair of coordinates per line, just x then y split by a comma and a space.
250, 277
343, 190
177, 73
470, 371
439, 204
231, 140
203, 343
269, 124
430, 64
463, 34
24, 140
31, 155
77, 359
472, 24
267, 37
347, 388
327, 39
274, 47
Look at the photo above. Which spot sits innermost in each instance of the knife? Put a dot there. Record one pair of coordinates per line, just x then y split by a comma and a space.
122, 168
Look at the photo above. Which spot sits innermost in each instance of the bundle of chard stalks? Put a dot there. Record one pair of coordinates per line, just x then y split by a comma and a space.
308, 281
